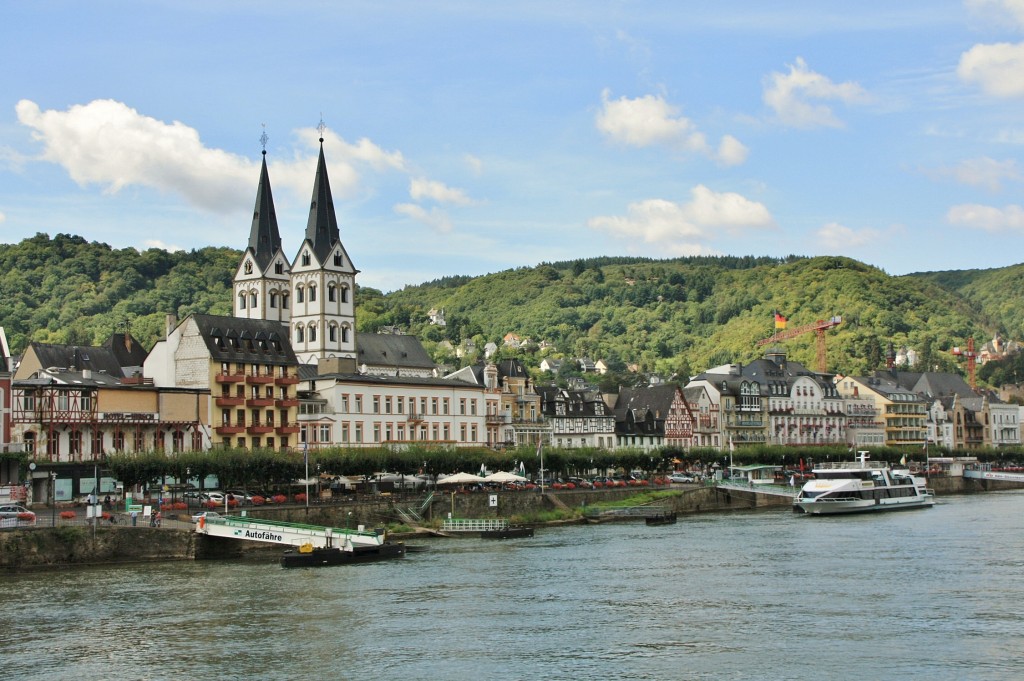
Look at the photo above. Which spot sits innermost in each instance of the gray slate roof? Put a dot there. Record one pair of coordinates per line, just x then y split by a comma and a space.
392, 350
252, 341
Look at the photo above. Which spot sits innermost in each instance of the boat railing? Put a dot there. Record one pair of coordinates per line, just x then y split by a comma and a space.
847, 465
474, 525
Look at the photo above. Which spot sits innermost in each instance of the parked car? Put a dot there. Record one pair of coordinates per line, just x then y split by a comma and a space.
581, 483
205, 514
241, 496
16, 513
215, 497
680, 477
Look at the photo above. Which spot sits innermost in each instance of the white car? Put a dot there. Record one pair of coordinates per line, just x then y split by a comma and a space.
205, 514
215, 497
679, 477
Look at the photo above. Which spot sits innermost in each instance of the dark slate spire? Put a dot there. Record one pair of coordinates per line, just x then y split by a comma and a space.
264, 237
322, 228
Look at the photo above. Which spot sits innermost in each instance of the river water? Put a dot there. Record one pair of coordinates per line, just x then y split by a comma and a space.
926, 594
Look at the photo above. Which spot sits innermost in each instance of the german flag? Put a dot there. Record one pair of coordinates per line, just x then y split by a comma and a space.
780, 321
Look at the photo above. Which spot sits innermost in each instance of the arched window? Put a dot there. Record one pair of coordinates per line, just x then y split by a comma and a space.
344, 294
299, 294
312, 333
332, 293
305, 257
284, 301
299, 335
252, 300
241, 301
273, 299
332, 333
344, 334
312, 293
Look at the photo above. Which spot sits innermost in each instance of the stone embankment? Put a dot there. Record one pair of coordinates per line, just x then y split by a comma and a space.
45, 547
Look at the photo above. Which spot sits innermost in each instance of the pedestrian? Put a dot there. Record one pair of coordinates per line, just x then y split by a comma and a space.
135, 518
152, 520
107, 503
159, 518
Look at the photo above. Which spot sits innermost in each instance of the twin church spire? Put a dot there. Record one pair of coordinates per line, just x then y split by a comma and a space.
312, 295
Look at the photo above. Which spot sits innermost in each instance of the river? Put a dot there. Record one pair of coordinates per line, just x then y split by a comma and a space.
932, 594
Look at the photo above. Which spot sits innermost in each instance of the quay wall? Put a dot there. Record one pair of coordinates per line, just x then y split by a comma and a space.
64, 546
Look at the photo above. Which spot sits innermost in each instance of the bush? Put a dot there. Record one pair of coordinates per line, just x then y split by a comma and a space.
258, 500
300, 498
280, 498
67, 515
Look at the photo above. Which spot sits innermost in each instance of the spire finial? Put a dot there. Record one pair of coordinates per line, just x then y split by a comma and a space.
264, 138
321, 127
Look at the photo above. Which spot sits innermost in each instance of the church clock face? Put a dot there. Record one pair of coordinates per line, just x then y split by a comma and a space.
248, 267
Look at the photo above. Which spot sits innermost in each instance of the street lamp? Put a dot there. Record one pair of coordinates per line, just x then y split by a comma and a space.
188, 497
53, 498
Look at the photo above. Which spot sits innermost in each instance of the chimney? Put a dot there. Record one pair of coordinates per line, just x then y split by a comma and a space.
170, 322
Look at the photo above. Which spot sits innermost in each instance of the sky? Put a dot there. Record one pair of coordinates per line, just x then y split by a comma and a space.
467, 137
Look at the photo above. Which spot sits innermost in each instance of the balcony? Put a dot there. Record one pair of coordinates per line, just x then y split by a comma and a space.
496, 419
287, 402
288, 429
260, 402
229, 429
227, 401
286, 380
260, 428
416, 417
229, 378
258, 379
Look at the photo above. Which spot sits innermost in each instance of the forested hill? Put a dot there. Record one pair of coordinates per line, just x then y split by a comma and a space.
671, 316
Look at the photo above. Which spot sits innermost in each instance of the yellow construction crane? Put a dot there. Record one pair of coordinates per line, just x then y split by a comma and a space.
819, 327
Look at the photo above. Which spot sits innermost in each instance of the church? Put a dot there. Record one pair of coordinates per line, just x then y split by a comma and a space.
288, 368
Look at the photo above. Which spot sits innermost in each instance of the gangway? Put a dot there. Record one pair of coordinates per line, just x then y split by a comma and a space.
288, 534
764, 488
993, 475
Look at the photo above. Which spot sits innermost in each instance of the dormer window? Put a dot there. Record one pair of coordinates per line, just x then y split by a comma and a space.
278, 267
337, 260
305, 258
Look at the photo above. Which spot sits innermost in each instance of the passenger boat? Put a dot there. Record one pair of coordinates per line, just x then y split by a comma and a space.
861, 486
484, 528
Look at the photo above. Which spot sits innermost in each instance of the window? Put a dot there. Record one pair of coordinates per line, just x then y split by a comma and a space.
299, 335
344, 404
252, 300
305, 258
312, 293
359, 404
284, 301
332, 333
273, 299
332, 293
241, 301
376, 432
299, 294
118, 440
344, 334
344, 294
325, 432
28, 402
337, 260
312, 333
376, 404
278, 267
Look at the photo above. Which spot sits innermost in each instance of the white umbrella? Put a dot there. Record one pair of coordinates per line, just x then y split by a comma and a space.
460, 479
504, 477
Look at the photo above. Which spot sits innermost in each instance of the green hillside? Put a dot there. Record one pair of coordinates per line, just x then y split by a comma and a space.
670, 316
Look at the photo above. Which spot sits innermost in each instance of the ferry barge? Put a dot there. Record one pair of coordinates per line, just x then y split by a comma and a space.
861, 486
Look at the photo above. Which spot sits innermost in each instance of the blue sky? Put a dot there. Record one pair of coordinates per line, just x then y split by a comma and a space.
473, 137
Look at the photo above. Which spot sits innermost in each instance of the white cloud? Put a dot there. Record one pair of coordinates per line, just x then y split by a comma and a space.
156, 243
997, 69
110, 144
650, 121
988, 218
984, 172
731, 151
2, 217
476, 166
435, 218
420, 189
838, 238
678, 227
999, 10
795, 96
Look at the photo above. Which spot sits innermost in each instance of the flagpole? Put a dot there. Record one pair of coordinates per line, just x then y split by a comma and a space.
540, 452
305, 457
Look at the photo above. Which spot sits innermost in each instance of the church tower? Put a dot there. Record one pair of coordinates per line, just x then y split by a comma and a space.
323, 279
262, 286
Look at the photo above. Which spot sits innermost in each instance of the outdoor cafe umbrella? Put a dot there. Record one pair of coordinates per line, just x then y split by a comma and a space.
460, 479
503, 477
